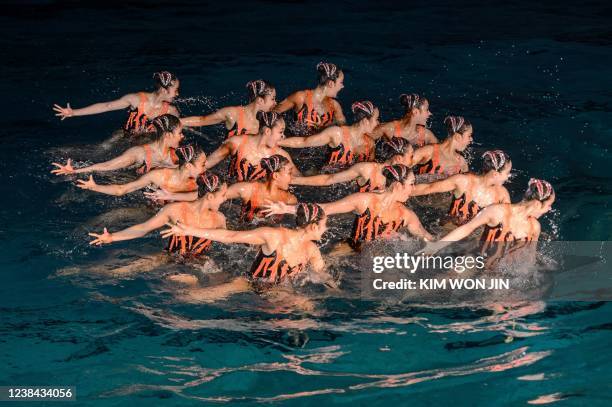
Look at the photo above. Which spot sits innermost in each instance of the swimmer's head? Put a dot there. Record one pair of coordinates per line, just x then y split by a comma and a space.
277, 170
170, 128
263, 93
192, 159
460, 130
401, 150
271, 124
167, 83
212, 189
417, 107
498, 164
330, 77
366, 113
541, 192
400, 180
311, 217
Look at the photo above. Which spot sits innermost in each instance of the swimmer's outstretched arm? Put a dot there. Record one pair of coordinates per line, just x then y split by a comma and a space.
237, 190
119, 189
347, 175
446, 185
134, 155
331, 135
415, 227
383, 130
219, 155
293, 100
488, 216
217, 117
256, 237
357, 202
133, 232
121, 103
422, 154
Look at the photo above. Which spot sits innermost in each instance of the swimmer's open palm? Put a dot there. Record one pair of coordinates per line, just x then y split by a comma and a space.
158, 195
270, 208
102, 238
177, 229
63, 169
63, 112
89, 184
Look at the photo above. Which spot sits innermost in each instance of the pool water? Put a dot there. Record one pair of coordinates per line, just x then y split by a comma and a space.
533, 79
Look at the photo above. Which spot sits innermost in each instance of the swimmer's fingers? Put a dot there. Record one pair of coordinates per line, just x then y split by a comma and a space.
102, 238
89, 184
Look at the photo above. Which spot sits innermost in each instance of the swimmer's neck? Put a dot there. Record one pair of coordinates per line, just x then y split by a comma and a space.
272, 187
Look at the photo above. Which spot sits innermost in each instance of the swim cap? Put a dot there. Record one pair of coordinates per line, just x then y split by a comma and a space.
273, 163
258, 88
185, 153
207, 182
268, 119
398, 145
166, 123
363, 109
494, 160
538, 189
327, 72
164, 79
411, 100
396, 173
308, 213
456, 124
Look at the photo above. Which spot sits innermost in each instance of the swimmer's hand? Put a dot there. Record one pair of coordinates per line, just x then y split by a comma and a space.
63, 169
159, 195
63, 112
270, 208
89, 184
176, 229
432, 248
101, 239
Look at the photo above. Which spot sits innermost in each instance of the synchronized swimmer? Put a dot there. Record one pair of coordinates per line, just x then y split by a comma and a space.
261, 171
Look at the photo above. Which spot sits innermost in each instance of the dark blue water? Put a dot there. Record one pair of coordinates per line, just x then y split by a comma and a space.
534, 79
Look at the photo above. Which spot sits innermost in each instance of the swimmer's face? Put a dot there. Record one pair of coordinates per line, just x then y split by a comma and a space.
408, 156
504, 174
283, 177
175, 138
373, 121
197, 165
465, 139
173, 90
319, 228
215, 199
278, 131
336, 86
268, 101
421, 114
546, 205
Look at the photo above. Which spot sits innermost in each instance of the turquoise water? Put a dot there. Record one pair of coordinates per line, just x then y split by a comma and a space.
540, 92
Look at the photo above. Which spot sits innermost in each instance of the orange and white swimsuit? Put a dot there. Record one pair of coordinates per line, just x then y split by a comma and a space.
397, 133
345, 154
434, 167
272, 268
153, 159
309, 118
496, 242
138, 122
239, 127
189, 245
241, 168
251, 209
171, 183
369, 226
463, 209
